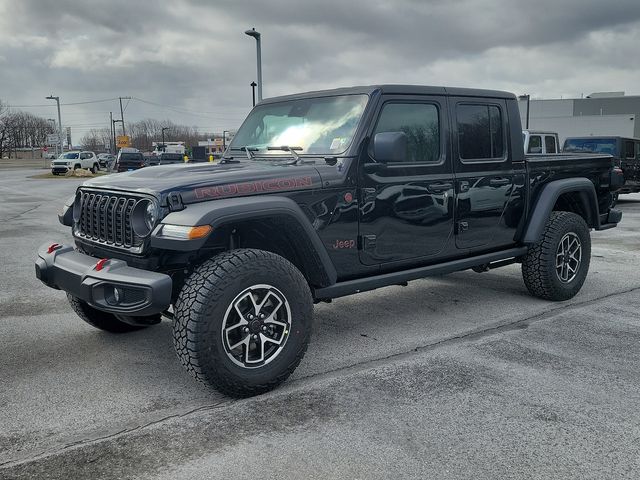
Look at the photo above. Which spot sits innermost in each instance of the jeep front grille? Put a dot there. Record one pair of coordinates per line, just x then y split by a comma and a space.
105, 218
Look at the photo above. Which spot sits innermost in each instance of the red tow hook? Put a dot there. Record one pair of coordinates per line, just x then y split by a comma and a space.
101, 263
53, 247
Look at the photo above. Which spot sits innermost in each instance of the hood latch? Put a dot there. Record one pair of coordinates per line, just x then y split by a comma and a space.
175, 202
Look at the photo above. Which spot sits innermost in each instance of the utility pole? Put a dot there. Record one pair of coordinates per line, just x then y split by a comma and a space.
164, 148
57, 99
112, 134
122, 113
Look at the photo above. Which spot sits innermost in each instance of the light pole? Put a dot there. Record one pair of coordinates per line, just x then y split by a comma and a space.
164, 149
253, 92
113, 122
224, 139
256, 35
526, 97
53, 123
57, 99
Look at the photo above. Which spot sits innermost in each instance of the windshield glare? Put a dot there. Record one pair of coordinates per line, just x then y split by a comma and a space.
597, 145
324, 125
70, 156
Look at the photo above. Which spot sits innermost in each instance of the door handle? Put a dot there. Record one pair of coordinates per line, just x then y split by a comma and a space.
499, 182
440, 187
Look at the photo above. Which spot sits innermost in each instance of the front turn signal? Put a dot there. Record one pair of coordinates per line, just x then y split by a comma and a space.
186, 233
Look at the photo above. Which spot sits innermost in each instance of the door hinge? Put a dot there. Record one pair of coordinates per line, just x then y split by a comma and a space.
175, 202
366, 242
462, 227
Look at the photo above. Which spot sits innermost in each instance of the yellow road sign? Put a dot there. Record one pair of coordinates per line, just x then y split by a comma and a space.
123, 141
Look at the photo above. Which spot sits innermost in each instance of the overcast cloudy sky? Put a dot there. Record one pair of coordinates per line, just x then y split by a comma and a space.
192, 57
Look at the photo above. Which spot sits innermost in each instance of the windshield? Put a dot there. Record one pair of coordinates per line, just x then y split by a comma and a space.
131, 157
324, 125
69, 156
598, 145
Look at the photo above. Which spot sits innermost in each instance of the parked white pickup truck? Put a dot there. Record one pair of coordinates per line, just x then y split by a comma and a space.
75, 159
540, 143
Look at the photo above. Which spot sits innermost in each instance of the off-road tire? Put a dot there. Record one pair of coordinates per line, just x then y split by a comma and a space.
99, 319
199, 314
539, 265
94, 168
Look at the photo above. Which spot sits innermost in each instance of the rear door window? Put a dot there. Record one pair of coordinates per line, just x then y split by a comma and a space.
480, 132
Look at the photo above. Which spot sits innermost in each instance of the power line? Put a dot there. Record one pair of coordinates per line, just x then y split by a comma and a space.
64, 104
213, 115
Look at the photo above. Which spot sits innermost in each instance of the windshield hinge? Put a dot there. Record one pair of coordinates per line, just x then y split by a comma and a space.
175, 202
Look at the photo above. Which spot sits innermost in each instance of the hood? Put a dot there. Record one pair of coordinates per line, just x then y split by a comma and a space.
198, 182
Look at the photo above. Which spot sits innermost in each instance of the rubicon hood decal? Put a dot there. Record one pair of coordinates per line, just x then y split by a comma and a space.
257, 186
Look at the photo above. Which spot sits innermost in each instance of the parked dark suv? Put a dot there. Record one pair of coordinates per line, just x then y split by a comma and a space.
129, 159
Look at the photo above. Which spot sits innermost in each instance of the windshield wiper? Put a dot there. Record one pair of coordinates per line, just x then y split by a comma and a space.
291, 150
287, 148
247, 150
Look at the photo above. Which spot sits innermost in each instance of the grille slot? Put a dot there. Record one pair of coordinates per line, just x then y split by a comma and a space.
105, 218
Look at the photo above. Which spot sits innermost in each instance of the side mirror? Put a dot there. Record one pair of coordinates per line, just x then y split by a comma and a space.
390, 147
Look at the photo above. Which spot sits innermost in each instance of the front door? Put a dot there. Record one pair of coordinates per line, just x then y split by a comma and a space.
489, 184
406, 209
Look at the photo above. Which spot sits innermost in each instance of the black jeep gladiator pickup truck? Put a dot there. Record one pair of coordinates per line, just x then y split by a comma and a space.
322, 195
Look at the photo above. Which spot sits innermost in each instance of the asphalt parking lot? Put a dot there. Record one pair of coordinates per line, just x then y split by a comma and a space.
464, 376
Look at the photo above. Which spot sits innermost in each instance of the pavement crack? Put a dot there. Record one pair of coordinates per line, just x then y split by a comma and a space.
466, 336
21, 214
126, 431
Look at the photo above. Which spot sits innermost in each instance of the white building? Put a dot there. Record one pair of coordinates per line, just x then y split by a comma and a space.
605, 113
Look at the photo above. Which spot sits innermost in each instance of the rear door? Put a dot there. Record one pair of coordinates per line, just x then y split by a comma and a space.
489, 186
406, 209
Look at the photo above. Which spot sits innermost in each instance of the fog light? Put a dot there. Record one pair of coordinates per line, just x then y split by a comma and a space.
114, 295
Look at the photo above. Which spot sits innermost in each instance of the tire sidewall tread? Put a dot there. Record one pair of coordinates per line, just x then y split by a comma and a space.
200, 309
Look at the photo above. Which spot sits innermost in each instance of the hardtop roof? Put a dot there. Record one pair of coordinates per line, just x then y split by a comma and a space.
391, 89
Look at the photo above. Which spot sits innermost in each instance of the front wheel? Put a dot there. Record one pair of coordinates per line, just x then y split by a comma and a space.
243, 321
556, 267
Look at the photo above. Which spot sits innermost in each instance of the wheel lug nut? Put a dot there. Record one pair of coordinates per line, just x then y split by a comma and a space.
245, 329
255, 337
264, 328
262, 315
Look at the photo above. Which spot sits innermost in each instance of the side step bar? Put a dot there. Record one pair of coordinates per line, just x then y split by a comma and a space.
349, 287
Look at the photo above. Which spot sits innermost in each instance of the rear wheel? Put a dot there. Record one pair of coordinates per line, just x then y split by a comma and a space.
243, 321
556, 267
99, 319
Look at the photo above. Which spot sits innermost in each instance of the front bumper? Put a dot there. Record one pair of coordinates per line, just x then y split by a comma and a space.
59, 169
112, 287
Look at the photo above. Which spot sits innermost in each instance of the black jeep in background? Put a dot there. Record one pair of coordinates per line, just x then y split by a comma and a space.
626, 155
322, 195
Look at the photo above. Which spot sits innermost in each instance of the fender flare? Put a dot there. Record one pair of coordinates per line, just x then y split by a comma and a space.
224, 211
547, 199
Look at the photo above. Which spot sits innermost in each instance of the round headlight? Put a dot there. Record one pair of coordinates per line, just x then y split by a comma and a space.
151, 215
144, 217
